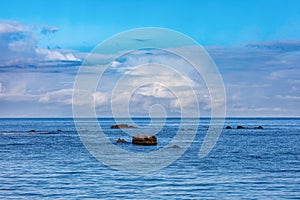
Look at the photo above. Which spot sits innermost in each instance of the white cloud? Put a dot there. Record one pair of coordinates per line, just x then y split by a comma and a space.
288, 97
9, 27
19, 46
52, 55
252, 109
63, 96
291, 74
253, 74
100, 98
2, 88
115, 64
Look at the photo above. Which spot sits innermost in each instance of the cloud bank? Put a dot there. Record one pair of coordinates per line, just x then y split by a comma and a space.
261, 78
19, 46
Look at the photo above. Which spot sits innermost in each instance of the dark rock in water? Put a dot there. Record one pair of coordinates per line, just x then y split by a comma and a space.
39, 132
121, 140
59, 130
228, 127
144, 140
259, 127
174, 146
241, 127
122, 126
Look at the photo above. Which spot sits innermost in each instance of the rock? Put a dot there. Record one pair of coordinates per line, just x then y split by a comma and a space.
174, 146
122, 126
39, 132
121, 140
144, 140
59, 130
259, 127
240, 127
228, 127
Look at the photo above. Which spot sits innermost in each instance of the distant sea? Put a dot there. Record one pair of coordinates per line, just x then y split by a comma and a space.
45, 159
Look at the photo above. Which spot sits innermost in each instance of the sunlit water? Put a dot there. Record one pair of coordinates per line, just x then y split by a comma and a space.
245, 163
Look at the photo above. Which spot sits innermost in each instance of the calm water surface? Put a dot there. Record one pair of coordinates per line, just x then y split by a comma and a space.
248, 163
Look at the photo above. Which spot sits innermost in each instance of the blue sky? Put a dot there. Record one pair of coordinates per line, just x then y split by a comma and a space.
209, 22
255, 44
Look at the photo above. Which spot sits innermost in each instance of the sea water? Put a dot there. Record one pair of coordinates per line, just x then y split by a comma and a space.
45, 159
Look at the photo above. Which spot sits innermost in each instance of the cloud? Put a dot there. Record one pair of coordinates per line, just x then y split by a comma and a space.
252, 76
115, 64
2, 88
11, 27
101, 98
283, 45
288, 97
287, 74
63, 96
49, 55
255, 109
280, 55
48, 30
19, 46
261, 78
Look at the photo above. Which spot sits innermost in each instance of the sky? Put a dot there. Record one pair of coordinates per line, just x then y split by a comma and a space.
255, 45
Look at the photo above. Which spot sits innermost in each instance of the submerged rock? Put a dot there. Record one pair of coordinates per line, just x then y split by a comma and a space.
228, 127
121, 140
174, 146
122, 126
259, 127
240, 127
39, 132
144, 140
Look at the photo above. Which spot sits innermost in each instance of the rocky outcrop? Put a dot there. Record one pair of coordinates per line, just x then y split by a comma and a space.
243, 127
121, 140
144, 140
259, 127
39, 132
122, 126
240, 127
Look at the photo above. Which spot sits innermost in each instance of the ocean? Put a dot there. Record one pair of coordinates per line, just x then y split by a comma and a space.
46, 159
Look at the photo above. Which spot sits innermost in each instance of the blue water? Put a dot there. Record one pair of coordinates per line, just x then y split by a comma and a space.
249, 163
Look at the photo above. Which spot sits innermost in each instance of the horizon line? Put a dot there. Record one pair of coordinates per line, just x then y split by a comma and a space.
137, 117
